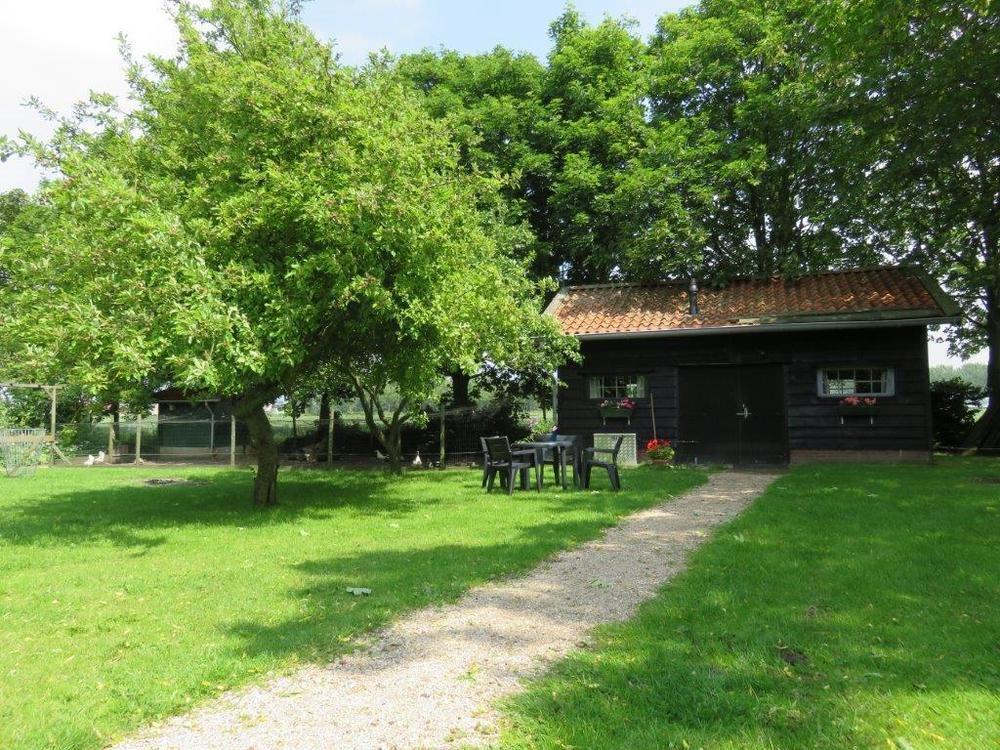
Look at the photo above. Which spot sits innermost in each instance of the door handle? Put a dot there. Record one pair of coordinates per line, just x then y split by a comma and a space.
745, 413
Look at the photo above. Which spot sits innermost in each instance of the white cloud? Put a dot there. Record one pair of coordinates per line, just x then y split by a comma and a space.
59, 51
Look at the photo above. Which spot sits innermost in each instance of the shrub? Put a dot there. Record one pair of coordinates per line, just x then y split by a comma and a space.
954, 405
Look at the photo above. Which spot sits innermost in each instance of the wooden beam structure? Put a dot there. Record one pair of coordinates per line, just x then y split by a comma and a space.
53, 392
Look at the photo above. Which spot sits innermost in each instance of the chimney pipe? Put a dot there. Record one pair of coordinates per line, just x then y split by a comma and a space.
693, 297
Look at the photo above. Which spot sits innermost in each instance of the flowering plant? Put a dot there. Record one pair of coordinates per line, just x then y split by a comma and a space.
540, 428
622, 403
659, 450
856, 401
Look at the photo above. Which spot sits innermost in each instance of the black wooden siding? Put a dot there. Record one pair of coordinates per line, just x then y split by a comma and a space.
902, 422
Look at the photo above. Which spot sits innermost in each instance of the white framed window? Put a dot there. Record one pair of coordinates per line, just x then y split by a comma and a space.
616, 386
856, 381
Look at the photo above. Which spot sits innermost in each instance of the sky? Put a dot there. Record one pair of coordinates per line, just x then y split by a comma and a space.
59, 50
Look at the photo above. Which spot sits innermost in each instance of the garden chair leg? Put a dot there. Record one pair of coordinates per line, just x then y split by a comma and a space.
538, 478
616, 482
511, 473
489, 480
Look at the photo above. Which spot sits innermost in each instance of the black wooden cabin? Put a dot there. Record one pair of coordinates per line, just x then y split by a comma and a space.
826, 366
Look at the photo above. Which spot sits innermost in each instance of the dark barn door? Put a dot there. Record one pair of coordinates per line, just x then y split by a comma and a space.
732, 414
707, 430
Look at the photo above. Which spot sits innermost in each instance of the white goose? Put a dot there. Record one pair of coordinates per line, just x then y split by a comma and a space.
417, 462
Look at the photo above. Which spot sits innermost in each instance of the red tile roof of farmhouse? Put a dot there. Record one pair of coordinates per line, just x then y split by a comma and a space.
863, 295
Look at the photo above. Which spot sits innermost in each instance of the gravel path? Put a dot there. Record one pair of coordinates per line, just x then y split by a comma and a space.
430, 680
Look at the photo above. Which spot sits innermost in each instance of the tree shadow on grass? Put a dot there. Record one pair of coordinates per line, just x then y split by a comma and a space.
406, 579
400, 580
129, 514
132, 514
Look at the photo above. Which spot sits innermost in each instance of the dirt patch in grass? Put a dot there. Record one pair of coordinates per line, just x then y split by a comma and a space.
174, 482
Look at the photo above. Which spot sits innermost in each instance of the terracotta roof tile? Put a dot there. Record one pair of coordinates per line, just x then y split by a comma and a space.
857, 294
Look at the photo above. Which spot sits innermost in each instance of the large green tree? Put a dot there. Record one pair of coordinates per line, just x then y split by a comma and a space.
919, 107
564, 134
21, 216
594, 93
738, 101
262, 212
493, 106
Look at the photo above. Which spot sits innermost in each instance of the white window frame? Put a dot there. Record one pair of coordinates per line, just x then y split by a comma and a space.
822, 381
596, 387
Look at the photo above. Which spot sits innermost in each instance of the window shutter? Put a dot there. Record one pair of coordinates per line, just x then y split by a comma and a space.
594, 386
641, 389
823, 382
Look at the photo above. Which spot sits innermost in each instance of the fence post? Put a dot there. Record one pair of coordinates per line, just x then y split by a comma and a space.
441, 453
555, 397
52, 453
329, 436
652, 413
232, 441
138, 438
211, 431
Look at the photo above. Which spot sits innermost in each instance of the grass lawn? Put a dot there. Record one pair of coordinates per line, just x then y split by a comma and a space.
121, 603
850, 607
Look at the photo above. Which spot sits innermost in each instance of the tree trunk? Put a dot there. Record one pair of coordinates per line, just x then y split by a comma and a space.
265, 485
990, 419
460, 389
324, 415
115, 437
387, 429
993, 342
394, 448
762, 245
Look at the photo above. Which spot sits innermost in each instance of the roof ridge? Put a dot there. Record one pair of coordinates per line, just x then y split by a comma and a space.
751, 277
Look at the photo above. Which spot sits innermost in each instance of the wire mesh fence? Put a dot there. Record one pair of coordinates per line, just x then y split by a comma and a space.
20, 450
167, 437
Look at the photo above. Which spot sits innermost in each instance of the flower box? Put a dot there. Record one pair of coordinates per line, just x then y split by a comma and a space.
858, 411
616, 412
